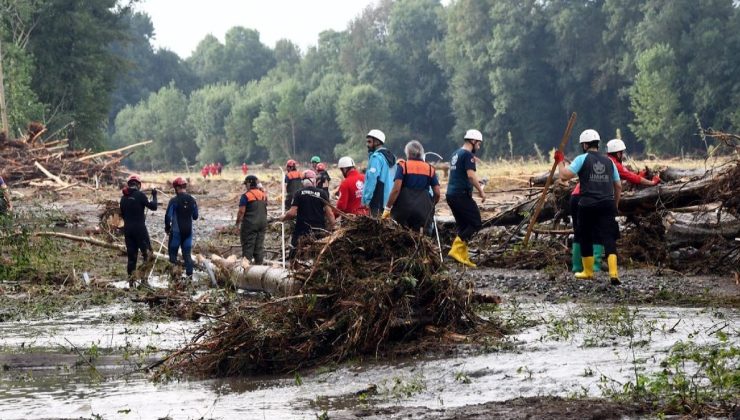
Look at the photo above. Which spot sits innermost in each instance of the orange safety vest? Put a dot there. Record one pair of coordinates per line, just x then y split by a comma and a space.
416, 167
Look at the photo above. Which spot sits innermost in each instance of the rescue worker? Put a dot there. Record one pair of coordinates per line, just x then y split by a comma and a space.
293, 182
311, 209
615, 151
576, 259
244, 168
350, 190
597, 208
315, 160
252, 220
379, 174
462, 180
219, 168
204, 171
6, 206
133, 202
322, 177
410, 203
178, 223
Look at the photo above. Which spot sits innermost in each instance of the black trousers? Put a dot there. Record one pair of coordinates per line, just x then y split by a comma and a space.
137, 239
253, 242
467, 215
598, 222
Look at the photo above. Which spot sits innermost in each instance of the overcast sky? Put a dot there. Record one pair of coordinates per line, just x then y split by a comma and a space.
180, 24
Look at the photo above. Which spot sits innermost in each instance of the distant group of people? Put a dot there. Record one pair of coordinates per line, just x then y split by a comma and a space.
405, 190
212, 169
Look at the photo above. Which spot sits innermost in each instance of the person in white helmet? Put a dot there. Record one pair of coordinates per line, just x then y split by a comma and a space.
615, 150
459, 195
350, 190
379, 174
597, 208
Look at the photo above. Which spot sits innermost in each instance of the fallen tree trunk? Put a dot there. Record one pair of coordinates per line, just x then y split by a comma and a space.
694, 229
671, 174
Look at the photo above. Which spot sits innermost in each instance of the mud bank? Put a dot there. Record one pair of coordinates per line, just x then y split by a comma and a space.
571, 353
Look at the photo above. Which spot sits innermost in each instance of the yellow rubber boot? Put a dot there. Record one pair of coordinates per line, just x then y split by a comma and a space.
613, 273
455, 247
588, 269
466, 255
459, 252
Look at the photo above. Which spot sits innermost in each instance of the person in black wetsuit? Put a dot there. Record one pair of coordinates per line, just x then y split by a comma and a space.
178, 223
133, 203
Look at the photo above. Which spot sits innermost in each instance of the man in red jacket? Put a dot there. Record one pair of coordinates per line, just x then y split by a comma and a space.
350, 190
615, 150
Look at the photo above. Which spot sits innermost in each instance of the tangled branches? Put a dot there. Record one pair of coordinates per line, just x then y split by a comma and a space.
371, 284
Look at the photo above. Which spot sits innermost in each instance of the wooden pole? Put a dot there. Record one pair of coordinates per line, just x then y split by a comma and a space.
112, 152
3, 109
541, 201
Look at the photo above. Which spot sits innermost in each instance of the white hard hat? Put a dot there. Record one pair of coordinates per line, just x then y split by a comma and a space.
474, 135
345, 162
615, 145
588, 136
377, 134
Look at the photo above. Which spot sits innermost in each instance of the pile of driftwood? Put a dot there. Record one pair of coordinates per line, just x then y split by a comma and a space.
30, 161
689, 222
358, 296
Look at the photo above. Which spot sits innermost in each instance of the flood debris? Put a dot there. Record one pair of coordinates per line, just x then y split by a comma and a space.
29, 161
358, 296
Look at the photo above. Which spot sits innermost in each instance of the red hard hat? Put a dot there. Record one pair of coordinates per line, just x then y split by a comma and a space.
134, 178
321, 167
291, 162
179, 182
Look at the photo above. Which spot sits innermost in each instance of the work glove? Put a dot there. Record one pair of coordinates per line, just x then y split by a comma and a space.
559, 156
386, 213
656, 180
154, 192
167, 229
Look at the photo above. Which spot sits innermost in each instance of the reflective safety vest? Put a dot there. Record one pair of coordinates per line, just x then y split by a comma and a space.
256, 209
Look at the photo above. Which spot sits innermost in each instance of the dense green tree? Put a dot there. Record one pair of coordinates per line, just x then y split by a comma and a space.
162, 117
360, 109
208, 110
75, 69
656, 102
463, 55
524, 89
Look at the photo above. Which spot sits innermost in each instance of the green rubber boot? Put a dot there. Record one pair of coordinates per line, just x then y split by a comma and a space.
576, 261
598, 256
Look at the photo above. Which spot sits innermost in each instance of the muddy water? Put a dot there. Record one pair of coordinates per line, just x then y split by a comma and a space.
565, 354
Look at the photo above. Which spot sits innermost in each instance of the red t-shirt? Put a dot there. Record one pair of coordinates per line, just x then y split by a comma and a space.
624, 173
350, 193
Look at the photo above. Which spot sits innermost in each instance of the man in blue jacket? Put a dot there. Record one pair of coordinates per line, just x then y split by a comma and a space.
379, 175
178, 223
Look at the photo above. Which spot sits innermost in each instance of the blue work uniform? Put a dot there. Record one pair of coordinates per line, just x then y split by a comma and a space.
378, 180
459, 195
178, 222
414, 207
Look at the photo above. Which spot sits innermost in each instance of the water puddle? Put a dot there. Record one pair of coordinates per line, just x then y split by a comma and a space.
570, 352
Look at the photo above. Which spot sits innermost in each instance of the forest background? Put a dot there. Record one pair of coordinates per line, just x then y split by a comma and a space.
651, 72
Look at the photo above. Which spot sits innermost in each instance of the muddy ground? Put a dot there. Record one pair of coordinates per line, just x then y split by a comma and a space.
45, 306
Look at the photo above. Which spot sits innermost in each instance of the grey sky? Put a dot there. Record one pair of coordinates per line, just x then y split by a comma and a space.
180, 24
